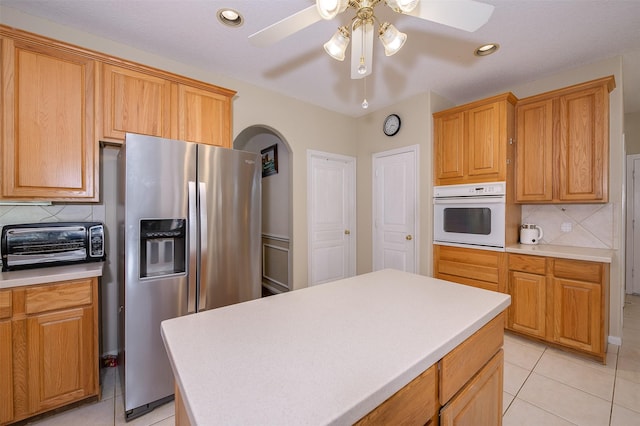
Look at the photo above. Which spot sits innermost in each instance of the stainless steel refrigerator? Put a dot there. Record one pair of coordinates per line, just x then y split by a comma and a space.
189, 218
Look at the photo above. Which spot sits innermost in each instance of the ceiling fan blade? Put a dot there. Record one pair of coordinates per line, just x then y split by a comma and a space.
360, 49
284, 28
468, 15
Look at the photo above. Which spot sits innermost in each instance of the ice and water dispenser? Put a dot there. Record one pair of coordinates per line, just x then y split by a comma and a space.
163, 244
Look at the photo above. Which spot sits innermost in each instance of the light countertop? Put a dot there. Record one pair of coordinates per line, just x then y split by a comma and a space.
564, 252
327, 354
50, 274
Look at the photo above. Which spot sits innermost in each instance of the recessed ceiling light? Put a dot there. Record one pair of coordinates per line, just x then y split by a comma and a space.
230, 17
486, 49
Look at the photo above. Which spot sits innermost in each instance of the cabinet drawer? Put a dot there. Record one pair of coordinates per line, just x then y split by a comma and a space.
462, 363
524, 263
416, 403
58, 296
578, 270
5, 304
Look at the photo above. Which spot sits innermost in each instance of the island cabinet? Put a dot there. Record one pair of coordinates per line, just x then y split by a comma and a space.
560, 301
562, 145
139, 99
54, 347
48, 105
478, 268
463, 388
470, 141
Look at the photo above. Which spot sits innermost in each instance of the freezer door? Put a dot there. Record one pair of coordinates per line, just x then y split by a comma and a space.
230, 214
156, 187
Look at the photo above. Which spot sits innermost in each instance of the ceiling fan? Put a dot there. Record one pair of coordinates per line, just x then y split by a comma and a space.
468, 15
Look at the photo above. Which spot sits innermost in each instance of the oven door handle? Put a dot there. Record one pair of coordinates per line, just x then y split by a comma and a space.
500, 199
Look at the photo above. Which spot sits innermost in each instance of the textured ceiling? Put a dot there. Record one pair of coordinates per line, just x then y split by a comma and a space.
537, 38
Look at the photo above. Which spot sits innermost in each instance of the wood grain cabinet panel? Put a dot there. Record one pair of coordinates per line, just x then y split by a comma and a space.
527, 313
470, 141
48, 145
134, 102
204, 116
480, 401
562, 148
478, 268
52, 344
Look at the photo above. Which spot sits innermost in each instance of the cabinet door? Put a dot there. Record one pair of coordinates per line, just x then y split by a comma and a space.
527, 313
486, 150
60, 348
48, 142
6, 372
480, 401
449, 147
134, 102
478, 268
577, 314
204, 116
534, 155
584, 145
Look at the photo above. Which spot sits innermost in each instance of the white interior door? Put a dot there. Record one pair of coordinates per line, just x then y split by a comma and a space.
395, 238
331, 213
633, 224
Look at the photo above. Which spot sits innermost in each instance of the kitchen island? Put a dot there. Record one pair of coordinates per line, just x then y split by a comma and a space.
334, 353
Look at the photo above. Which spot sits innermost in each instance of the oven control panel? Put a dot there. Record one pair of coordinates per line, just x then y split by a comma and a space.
470, 190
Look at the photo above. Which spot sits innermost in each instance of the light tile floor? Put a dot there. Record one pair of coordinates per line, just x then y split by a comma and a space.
542, 387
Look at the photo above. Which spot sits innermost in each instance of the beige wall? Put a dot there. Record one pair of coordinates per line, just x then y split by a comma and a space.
632, 132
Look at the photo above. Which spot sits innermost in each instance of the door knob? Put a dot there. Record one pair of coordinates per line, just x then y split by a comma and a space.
347, 232
408, 237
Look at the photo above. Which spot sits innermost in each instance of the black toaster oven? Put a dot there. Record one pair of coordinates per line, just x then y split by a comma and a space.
35, 245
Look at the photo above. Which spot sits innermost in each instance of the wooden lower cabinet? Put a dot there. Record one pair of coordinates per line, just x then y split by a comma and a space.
6, 358
54, 344
478, 268
480, 401
560, 301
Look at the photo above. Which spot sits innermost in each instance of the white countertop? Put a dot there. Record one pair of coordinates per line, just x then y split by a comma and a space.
564, 252
327, 354
50, 274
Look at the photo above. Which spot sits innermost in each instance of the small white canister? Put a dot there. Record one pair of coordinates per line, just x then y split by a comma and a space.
530, 233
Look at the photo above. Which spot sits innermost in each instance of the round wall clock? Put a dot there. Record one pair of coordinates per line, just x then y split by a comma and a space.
391, 124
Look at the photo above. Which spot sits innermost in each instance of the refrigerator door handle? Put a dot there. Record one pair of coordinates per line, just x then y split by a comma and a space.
193, 249
202, 300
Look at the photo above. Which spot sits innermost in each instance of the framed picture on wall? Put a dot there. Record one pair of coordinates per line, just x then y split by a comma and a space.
270, 160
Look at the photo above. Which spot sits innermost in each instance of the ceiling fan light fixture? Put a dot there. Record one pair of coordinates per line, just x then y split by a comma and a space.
391, 38
404, 6
328, 9
230, 17
336, 47
486, 49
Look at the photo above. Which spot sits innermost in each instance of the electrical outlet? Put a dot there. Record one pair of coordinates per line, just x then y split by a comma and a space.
566, 226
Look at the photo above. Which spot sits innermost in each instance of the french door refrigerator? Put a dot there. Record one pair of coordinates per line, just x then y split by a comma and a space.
189, 218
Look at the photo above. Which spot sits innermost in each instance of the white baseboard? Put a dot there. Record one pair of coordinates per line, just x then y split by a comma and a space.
615, 340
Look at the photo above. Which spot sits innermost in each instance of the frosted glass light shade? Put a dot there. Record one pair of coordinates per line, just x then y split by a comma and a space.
391, 39
328, 9
403, 5
337, 45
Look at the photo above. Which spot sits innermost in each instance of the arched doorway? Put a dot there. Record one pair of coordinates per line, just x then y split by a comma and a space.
276, 205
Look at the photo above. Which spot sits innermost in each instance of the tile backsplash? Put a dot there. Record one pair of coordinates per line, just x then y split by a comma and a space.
577, 225
10, 215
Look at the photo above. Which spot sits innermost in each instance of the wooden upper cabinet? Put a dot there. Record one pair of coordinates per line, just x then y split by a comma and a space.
470, 141
563, 145
134, 102
48, 149
534, 152
204, 116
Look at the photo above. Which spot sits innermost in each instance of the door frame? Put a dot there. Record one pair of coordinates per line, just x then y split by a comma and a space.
415, 149
351, 163
630, 274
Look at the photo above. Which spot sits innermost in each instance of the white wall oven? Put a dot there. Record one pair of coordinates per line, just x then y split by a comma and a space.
470, 215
